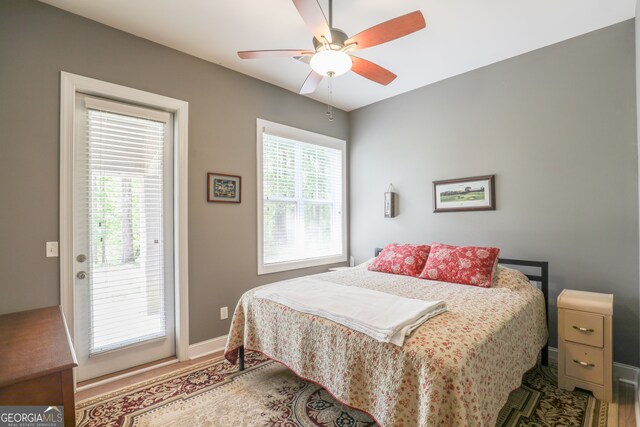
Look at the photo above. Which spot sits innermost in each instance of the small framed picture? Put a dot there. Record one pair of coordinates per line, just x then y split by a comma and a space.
223, 188
465, 194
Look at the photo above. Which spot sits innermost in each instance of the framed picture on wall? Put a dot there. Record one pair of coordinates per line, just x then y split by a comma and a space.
465, 194
223, 188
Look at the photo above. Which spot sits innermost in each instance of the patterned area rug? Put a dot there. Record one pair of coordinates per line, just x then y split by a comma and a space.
268, 394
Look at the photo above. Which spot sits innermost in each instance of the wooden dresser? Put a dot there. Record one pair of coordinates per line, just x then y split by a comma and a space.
37, 360
584, 342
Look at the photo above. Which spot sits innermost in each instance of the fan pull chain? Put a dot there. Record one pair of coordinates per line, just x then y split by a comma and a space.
329, 105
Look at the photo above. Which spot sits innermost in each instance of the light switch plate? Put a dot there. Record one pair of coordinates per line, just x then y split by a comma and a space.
224, 313
52, 249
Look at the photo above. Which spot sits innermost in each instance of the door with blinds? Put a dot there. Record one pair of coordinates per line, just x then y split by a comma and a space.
123, 236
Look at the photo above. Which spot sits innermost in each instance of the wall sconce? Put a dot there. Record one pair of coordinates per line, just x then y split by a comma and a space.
390, 202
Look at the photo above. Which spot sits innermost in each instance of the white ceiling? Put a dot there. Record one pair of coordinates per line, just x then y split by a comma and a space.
461, 35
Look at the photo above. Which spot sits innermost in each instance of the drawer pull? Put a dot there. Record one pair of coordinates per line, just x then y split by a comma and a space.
582, 329
588, 365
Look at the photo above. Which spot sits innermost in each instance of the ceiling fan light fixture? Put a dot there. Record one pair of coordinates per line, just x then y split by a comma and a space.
331, 61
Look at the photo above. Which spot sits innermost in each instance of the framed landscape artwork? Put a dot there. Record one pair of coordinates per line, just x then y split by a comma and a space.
223, 188
465, 194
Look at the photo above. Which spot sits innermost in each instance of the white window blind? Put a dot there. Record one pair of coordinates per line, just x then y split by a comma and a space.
302, 218
126, 205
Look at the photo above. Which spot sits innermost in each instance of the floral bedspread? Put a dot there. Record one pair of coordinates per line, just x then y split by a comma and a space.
457, 369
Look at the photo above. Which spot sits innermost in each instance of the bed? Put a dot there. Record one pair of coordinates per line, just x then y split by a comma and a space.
457, 369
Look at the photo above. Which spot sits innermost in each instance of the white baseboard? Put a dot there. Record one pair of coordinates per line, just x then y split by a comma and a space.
637, 400
553, 356
625, 373
204, 348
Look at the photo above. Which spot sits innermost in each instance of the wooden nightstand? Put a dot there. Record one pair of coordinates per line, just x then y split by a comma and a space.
584, 342
37, 361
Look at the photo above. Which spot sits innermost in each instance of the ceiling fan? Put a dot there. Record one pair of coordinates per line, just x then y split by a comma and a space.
331, 56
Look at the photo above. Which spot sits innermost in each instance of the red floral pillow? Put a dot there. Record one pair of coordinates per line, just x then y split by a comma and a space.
467, 265
395, 258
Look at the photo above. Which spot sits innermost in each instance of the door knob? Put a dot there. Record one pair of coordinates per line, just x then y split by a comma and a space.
81, 275
81, 258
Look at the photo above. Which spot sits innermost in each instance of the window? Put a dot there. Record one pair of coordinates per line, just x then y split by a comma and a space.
301, 198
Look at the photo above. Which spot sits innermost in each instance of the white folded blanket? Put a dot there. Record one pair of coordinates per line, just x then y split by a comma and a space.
385, 317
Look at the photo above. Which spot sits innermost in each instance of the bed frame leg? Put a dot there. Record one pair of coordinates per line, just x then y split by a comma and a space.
241, 358
544, 359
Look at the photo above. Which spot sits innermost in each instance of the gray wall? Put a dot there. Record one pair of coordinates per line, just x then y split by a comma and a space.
37, 42
637, 52
558, 128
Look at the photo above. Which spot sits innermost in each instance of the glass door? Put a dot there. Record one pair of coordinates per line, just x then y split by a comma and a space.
123, 244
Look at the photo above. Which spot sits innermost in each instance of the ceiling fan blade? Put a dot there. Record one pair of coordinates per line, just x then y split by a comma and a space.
314, 18
387, 31
371, 71
282, 53
306, 59
311, 83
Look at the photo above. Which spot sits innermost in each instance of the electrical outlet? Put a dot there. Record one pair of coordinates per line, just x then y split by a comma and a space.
224, 313
52, 249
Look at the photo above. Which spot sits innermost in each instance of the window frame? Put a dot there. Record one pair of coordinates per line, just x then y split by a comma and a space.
284, 131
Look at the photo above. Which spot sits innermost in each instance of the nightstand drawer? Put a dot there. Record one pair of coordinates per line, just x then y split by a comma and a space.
583, 328
584, 363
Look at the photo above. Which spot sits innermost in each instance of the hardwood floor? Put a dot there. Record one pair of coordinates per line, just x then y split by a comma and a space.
88, 383
125, 382
626, 407
624, 392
